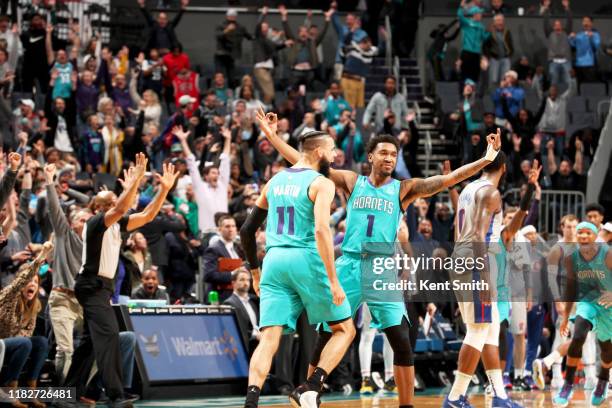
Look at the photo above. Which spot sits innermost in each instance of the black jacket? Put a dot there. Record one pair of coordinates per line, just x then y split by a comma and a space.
218, 280
154, 233
244, 323
159, 37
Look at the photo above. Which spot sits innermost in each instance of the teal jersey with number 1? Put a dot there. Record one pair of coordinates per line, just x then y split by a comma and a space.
373, 216
290, 220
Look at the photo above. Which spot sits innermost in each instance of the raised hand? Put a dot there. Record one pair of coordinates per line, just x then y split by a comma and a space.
14, 160
180, 133
141, 166
268, 123
446, 167
49, 172
169, 178
226, 132
493, 145
534, 173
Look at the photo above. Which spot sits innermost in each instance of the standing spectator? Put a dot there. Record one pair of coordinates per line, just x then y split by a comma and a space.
437, 50
499, 8
554, 119
474, 35
499, 49
62, 128
13, 43
137, 257
219, 86
87, 94
210, 193
558, 45
247, 310
35, 52
62, 80
174, 62
148, 102
586, 44
347, 33
149, 287
334, 103
264, 54
153, 71
382, 102
513, 94
407, 163
229, 44
184, 251
186, 83
20, 306
113, 146
161, 32
92, 142
348, 138
120, 93
565, 176
221, 280
359, 58
302, 56
154, 232
64, 310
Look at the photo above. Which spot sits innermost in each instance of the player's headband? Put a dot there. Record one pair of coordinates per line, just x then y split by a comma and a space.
587, 225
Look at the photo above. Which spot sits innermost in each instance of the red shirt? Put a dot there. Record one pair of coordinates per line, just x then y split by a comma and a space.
174, 63
187, 86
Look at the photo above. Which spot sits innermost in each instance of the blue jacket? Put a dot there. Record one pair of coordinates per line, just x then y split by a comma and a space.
515, 100
586, 48
342, 30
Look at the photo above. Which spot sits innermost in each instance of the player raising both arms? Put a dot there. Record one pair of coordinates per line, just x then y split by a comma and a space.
298, 270
374, 208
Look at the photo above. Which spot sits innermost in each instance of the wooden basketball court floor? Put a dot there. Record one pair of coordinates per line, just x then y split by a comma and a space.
429, 399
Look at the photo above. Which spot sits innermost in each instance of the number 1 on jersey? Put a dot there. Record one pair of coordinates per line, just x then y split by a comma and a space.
281, 220
370, 225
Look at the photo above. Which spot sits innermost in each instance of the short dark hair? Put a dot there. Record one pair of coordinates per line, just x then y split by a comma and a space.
236, 273
224, 217
384, 138
207, 169
390, 77
496, 164
595, 207
4, 17
312, 140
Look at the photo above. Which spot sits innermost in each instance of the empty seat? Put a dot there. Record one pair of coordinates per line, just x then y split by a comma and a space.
576, 104
593, 102
583, 119
593, 89
449, 103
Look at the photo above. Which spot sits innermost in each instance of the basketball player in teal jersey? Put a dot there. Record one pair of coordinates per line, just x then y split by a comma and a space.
589, 283
298, 270
374, 208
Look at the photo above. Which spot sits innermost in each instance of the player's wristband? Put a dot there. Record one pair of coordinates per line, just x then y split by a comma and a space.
491, 153
526, 200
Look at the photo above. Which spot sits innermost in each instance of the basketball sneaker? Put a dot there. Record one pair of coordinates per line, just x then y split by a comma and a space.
538, 373
562, 399
390, 386
504, 403
529, 383
600, 394
507, 382
304, 397
368, 387
462, 402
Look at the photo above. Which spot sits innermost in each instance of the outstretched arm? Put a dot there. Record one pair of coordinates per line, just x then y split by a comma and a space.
519, 216
150, 212
343, 179
411, 189
133, 176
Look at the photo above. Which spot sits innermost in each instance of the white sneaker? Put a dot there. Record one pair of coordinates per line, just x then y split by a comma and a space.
557, 383
538, 374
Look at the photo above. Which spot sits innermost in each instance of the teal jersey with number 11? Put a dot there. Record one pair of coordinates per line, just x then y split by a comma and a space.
290, 220
373, 216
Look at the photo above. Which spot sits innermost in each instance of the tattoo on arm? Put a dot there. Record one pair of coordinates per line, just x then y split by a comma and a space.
428, 186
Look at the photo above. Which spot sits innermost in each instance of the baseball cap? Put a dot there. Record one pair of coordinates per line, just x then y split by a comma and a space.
176, 148
27, 102
528, 229
231, 12
186, 100
607, 226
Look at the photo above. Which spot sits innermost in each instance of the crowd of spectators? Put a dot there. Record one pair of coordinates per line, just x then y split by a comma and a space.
76, 113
